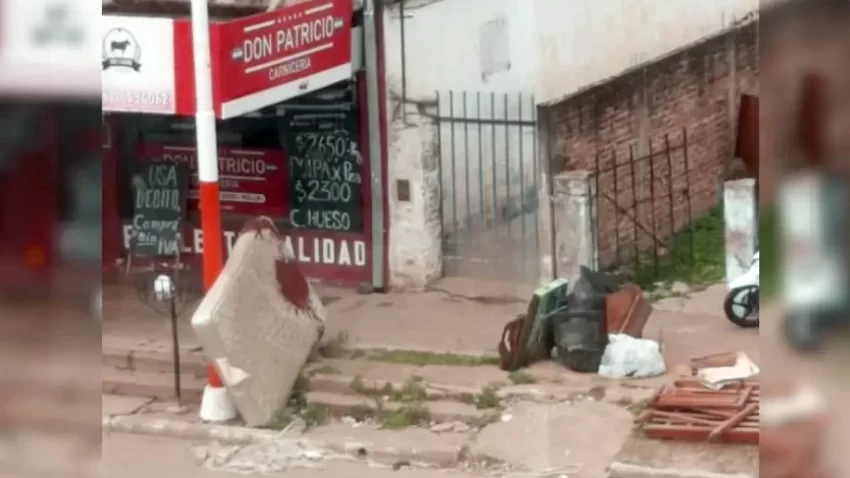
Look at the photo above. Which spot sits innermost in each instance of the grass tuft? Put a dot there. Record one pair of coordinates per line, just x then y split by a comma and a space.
696, 255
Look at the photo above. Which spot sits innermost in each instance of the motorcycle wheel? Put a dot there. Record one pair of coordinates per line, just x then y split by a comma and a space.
741, 306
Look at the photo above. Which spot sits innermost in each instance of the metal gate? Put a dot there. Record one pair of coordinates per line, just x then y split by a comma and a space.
644, 212
488, 174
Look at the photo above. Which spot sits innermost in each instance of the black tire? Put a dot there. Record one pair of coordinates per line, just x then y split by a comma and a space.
802, 331
729, 305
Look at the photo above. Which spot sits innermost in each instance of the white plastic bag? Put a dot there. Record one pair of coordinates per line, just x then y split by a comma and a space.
628, 357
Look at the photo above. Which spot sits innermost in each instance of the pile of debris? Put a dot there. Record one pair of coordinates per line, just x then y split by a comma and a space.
690, 411
718, 401
575, 325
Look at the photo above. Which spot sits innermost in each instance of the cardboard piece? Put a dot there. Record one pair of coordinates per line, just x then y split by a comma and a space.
718, 377
627, 311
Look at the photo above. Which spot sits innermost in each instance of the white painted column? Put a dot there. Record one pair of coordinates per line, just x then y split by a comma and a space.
574, 223
216, 403
545, 217
740, 215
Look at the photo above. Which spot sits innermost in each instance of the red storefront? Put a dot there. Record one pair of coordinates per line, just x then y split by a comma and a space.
293, 119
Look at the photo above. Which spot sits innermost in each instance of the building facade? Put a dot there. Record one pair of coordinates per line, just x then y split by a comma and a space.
290, 97
464, 78
456, 181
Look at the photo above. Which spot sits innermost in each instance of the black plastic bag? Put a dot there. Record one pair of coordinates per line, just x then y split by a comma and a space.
577, 330
592, 284
580, 338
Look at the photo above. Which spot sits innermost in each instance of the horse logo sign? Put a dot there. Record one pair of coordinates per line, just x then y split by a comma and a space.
120, 49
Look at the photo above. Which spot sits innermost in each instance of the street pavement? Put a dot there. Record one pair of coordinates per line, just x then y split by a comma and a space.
688, 327
139, 456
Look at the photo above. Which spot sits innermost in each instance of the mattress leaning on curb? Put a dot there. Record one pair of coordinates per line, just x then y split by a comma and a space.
259, 322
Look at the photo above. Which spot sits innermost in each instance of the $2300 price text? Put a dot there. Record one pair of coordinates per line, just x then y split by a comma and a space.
322, 190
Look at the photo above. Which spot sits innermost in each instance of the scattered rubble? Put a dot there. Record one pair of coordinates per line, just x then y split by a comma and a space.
680, 288
688, 410
450, 427
351, 421
265, 458
719, 401
716, 371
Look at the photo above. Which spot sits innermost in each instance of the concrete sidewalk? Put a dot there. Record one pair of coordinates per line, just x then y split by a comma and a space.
456, 315
557, 438
467, 317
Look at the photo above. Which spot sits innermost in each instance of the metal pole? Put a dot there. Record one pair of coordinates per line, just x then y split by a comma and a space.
216, 404
175, 348
175, 334
373, 91
652, 210
403, 62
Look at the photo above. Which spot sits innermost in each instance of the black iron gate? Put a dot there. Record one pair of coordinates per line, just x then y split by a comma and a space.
488, 176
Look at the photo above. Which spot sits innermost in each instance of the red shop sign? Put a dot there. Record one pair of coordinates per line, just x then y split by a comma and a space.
272, 57
332, 257
252, 181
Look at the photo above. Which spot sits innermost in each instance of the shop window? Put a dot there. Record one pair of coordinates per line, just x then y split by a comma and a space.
298, 162
251, 161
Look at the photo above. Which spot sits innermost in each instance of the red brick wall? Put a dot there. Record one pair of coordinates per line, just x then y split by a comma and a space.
687, 91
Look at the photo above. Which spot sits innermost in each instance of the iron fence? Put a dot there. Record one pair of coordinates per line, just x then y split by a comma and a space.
644, 224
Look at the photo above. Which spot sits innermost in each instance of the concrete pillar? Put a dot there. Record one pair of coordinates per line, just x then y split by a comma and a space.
545, 159
574, 223
740, 215
415, 254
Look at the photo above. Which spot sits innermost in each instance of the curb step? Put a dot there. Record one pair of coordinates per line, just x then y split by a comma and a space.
150, 384
439, 411
626, 470
342, 385
149, 374
226, 434
431, 457
191, 363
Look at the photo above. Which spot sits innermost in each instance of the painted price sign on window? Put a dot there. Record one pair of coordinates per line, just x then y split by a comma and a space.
252, 181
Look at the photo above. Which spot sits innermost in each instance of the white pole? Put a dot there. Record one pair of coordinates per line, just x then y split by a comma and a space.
216, 404
204, 112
